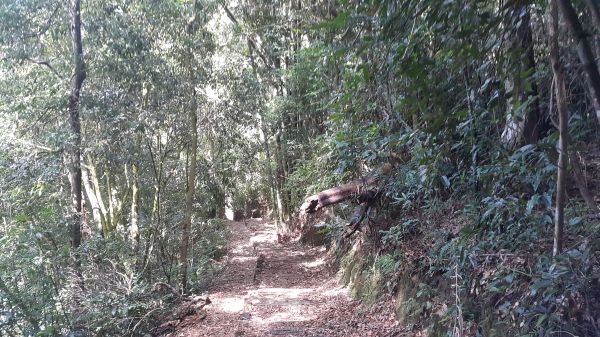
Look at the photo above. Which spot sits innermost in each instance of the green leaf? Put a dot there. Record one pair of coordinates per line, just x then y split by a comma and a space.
541, 319
338, 22
532, 203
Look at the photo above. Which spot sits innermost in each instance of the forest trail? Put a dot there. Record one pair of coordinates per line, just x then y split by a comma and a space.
269, 289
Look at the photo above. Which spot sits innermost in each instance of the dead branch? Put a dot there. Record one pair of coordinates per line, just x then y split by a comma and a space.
357, 217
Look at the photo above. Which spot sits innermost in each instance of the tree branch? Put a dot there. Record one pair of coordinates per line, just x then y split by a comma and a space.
47, 64
251, 40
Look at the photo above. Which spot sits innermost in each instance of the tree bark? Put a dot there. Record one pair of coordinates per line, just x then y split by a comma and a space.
110, 217
189, 197
335, 195
192, 151
360, 189
595, 14
74, 145
357, 217
563, 119
133, 231
533, 120
582, 184
157, 160
525, 129
280, 159
271, 178
584, 52
94, 203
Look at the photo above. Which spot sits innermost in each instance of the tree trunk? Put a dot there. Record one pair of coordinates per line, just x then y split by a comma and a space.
525, 129
271, 178
595, 14
157, 161
192, 150
74, 144
117, 200
280, 160
563, 118
133, 231
584, 52
110, 217
93, 176
111, 204
94, 203
533, 120
581, 183
189, 197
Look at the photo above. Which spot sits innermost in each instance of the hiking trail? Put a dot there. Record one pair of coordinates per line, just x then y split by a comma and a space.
269, 289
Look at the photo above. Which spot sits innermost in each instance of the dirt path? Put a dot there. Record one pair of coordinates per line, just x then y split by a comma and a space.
270, 289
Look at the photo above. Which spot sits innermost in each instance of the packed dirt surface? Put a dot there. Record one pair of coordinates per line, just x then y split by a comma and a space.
272, 289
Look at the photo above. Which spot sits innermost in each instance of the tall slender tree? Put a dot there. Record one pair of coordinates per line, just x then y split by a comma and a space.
74, 144
563, 118
192, 27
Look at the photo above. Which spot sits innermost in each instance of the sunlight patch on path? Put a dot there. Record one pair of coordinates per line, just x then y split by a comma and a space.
229, 304
314, 264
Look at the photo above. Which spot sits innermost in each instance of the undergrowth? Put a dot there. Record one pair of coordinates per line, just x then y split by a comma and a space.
112, 291
467, 250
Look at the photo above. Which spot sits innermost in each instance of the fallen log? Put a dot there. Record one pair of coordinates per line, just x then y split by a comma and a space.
190, 310
335, 195
362, 190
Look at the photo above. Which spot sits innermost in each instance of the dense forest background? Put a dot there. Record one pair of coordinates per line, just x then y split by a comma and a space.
130, 129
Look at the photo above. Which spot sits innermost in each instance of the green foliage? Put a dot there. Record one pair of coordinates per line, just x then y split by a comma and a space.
427, 86
388, 264
397, 233
133, 109
210, 240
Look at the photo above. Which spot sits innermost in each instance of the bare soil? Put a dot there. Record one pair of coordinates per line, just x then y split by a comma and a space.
271, 289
